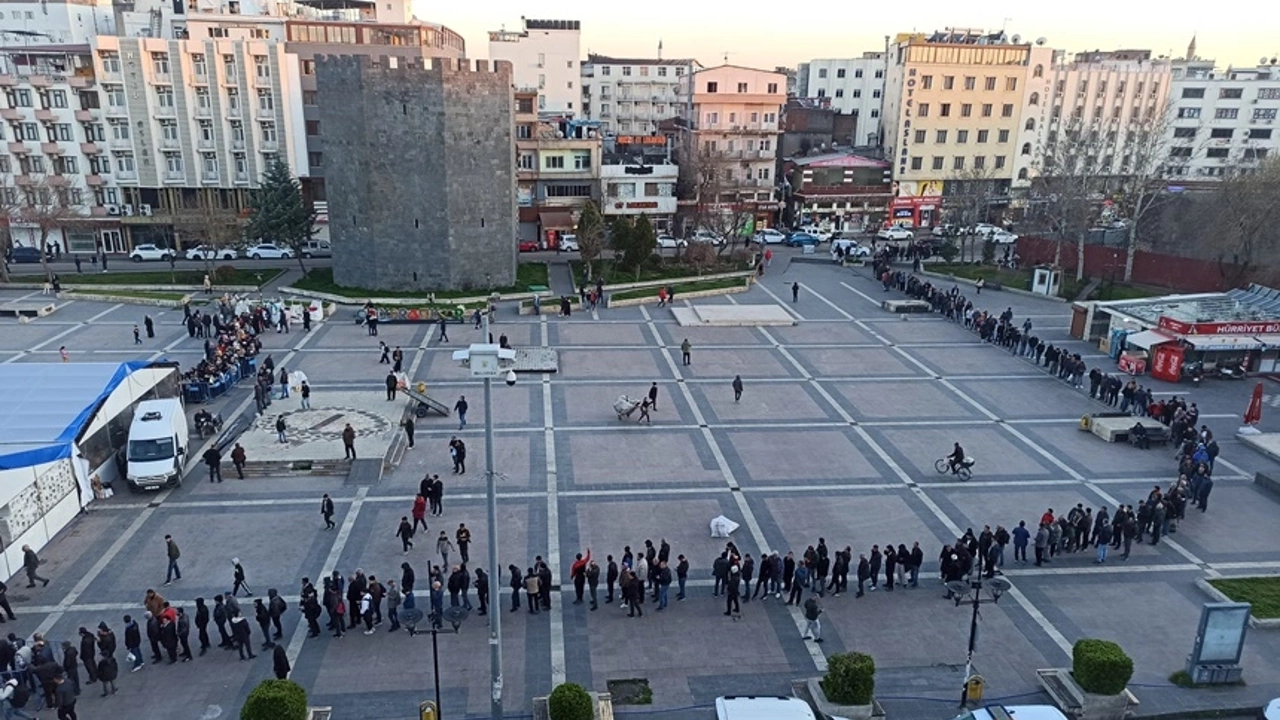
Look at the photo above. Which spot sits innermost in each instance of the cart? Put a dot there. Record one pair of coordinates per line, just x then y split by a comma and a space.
625, 405
426, 403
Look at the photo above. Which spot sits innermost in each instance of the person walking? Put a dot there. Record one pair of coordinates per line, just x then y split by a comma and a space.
737, 388
444, 546
238, 460
213, 458
137, 335
463, 537
795, 292
812, 625
444, 330
349, 441
419, 512
408, 430
171, 548
305, 391
238, 579
460, 407
326, 511
31, 563
685, 347
405, 533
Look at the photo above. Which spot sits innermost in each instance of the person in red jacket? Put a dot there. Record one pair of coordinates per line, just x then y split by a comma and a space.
1047, 518
419, 511
578, 571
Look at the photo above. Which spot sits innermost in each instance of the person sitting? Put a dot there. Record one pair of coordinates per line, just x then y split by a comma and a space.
1138, 435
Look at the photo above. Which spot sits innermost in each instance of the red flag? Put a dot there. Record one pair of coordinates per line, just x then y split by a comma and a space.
1253, 415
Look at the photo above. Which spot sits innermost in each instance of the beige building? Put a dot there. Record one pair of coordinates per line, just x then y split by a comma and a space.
732, 117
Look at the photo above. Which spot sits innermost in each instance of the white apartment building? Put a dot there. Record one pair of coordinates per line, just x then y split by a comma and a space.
1222, 119
54, 22
544, 56
855, 86
628, 96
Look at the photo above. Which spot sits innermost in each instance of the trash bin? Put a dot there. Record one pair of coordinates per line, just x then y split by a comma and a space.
973, 688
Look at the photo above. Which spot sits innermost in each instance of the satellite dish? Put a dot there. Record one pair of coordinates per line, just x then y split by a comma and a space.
1017, 39
1041, 41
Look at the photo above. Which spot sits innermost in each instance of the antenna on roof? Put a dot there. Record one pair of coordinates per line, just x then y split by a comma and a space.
726, 57
659, 48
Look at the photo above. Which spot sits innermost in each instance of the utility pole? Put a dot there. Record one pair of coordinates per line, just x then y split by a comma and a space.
491, 487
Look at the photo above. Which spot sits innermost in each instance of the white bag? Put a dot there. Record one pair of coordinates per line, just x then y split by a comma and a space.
129, 658
722, 527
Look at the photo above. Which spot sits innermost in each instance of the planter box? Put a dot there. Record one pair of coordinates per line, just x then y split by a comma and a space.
604, 707
655, 284
406, 302
153, 302
1074, 701
1218, 596
653, 299
550, 306
319, 713
830, 709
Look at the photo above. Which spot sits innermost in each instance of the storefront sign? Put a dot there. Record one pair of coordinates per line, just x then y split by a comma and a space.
1219, 328
642, 205
1166, 362
641, 139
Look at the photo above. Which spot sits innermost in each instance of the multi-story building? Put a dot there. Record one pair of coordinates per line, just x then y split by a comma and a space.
629, 96
639, 178
42, 23
855, 87
557, 169
545, 57
838, 192
1221, 119
731, 127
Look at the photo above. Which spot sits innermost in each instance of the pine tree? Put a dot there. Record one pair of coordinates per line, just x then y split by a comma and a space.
280, 214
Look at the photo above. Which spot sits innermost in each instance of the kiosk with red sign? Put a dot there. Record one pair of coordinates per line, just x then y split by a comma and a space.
1166, 361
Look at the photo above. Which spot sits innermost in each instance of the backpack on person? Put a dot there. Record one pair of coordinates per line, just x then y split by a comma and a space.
21, 696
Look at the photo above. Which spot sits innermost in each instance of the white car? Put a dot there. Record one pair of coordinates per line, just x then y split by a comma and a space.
1002, 237
770, 236
569, 243
1016, 712
762, 708
268, 251
203, 252
705, 236
814, 230
667, 242
149, 252
895, 234
851, 248
984, 229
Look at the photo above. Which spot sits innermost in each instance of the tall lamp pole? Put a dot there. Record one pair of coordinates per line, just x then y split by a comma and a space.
971, 589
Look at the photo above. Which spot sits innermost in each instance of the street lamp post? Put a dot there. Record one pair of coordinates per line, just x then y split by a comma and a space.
486, 360
972, 590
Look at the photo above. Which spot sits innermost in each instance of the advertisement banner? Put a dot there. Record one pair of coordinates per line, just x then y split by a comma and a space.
1166, 362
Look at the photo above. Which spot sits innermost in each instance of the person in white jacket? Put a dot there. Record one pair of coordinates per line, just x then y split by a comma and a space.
7, 701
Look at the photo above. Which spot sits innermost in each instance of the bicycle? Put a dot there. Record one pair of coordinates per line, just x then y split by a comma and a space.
962, 470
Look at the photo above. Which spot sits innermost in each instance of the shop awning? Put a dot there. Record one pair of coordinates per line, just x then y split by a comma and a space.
1146, 339
1223, 342
556, 220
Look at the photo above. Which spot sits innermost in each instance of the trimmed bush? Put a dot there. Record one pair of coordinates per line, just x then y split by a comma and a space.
1101, 667
224, 275
570, 701
275, 700
850, 679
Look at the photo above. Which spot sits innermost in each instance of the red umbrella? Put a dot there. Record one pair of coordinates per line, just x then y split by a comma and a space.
1253, 415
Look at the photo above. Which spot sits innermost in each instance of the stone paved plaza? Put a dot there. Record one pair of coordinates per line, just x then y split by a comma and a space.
841, 420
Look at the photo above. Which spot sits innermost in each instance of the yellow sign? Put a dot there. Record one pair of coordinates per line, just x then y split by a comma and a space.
427, 711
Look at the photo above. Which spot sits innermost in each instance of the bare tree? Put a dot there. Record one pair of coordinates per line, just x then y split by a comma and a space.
1142, 183
48, 204
214, 228
967, 202
9, 204
718, 199
1070, 184
1241, 219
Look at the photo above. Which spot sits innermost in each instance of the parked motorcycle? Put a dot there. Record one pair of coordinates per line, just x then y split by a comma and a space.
1193, 371
1230, 371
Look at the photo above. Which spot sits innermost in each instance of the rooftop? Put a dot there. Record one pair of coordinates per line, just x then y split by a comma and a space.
1256, 303
840, 159
595, 59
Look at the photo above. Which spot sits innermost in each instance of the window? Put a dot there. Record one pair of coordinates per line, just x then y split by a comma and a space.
1226, 113
966, 110
582, 160
990, 82
1217, 153
944, 110
1260, 134
110, 62
570, 190
217, 32
999, 162
822, 92
1264, 114
119, 129
32, 165
1003, 136
241, 162
1188, 113
1255, 154
875, 94
115, 95
962, 136
970, 82
742, 87
1180, 152
644, 69
1269, 94
772, 89
938, 160
1034, 99
266, 103
857, 73
957, 162
770, 118
124, 163
1192, 93
309, 97
268, 129
1031, 124
940, 137
822, 73
917, 163
65, 165
99, 165
920, 136
57, 99
948, 82
233, 101
173, 164
762, 173
237, 133
1038, 72
1026, 148
209, 163
1220, 133
229, 66
979, 162
839, 92
606, 71
198, 66
662, 72
89, 100
926, 82
986, 109
308, 68
1231, 93
713, 87
626, 70
1188, 132
164, 97
983, 135
839, 72
1022, 172
169, 131
922, 110
1006, 110
553, 162
1011, 83
857, 93
713, 118
206, 132
93, 132
160, 63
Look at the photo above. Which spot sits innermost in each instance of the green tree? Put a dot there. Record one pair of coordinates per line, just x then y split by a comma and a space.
643, 243
280, 214
275, 700
591, 235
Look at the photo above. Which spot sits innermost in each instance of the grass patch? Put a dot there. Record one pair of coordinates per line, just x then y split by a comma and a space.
226, 276
138, 294
680, 288
655, 268
1261, 592
631, 691
1123, 291
1019, 279
1183, 680
321, 280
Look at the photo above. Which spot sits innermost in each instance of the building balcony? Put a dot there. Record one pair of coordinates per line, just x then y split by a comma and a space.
171, 144
126, 176
118, 144
203, 144
8, 80
81, 81
58, 180
11, 113
98, 211
86, 116
117, 111
164, 111
89, 148
40, 81
45, 115
23, 180
199, 79
204, 112
93, 180
175, 178
242, 178
233, 113
51, 148
18, 148
270, 146
209, 178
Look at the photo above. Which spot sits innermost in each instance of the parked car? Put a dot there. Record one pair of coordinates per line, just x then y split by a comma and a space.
149, 252
1002, 237
667, 242
851, 248
204, 252
770, 236
761, 707
268, 251
814, 230
945, 230
317, 248
798, 239
706, 236
569, 243
984, 229
528, 246
1016, 712
25, 254
895, 234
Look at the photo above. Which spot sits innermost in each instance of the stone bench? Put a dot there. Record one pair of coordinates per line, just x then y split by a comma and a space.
906, 306
27, 310
1267, 482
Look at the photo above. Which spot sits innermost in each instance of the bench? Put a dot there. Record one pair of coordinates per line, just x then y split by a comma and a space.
1156, 435
906, 306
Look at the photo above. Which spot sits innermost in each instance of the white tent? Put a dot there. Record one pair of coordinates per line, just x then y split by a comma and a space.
722, 527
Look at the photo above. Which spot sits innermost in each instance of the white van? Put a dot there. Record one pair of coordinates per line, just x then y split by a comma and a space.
733, 707
157, 444
316, 249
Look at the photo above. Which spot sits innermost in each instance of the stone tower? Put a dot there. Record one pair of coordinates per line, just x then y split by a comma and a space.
422, 194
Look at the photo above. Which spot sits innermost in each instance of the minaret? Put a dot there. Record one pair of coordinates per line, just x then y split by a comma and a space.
1191, 49
659, 48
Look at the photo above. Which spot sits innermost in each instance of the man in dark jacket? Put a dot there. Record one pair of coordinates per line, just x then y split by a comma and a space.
220, 618
88, 649
734, 588
610, 578
153, 637
184, 634
593, 583
720, 571
864, 574
276, 607
132, 641
202, 625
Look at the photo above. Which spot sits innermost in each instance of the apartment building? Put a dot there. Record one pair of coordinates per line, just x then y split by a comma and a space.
638, 177
1221, 120
557, 170
732, 123
855, 87
629, 96
545, 56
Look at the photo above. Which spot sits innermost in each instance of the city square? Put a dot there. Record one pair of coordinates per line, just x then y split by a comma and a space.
842, 417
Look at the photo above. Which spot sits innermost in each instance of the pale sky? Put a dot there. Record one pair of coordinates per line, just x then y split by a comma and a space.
770, 35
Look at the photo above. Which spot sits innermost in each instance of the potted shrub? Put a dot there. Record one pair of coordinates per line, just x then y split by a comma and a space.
1094, 687
571, 701
275, 700
847, 688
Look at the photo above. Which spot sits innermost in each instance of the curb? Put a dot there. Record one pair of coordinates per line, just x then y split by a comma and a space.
151, 302
1219, 596
1015, 291
653, 299
406, 302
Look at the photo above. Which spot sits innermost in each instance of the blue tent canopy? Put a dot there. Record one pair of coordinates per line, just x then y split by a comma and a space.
43, 407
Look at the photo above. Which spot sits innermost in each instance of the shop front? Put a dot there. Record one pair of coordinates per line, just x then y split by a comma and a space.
914, 212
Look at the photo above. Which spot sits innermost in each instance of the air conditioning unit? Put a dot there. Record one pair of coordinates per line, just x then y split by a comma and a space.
144, 210
113, 209
127, 210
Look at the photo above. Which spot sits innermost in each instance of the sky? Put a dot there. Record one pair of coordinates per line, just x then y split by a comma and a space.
766, 36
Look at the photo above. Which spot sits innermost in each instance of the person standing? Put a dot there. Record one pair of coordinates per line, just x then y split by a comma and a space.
349, 441
202, 625
735, 584
1021, 536
394, 598
184, 634
408, 430
242, 635
653, 396
71, 664
682, 575
89, 649
531, 590
137, 335
171, 549
795, 292
685, 347
460, 407
238, 579
326, 511
238, 460
150, 325
405, 533
132, 642
812, 625
65, 692
737, 388
391, 383
444, 330
280, 662
482, 591
516, 583
62, 352
610, 578
213, 458
397, 359
276, 607
593, 583
463, 537
578, 573
305, 391
31, 563
280, 429
284, 383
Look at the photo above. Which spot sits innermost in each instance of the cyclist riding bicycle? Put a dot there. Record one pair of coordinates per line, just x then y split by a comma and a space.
956, 458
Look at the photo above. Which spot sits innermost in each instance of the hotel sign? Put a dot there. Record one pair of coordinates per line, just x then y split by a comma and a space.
641, 140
